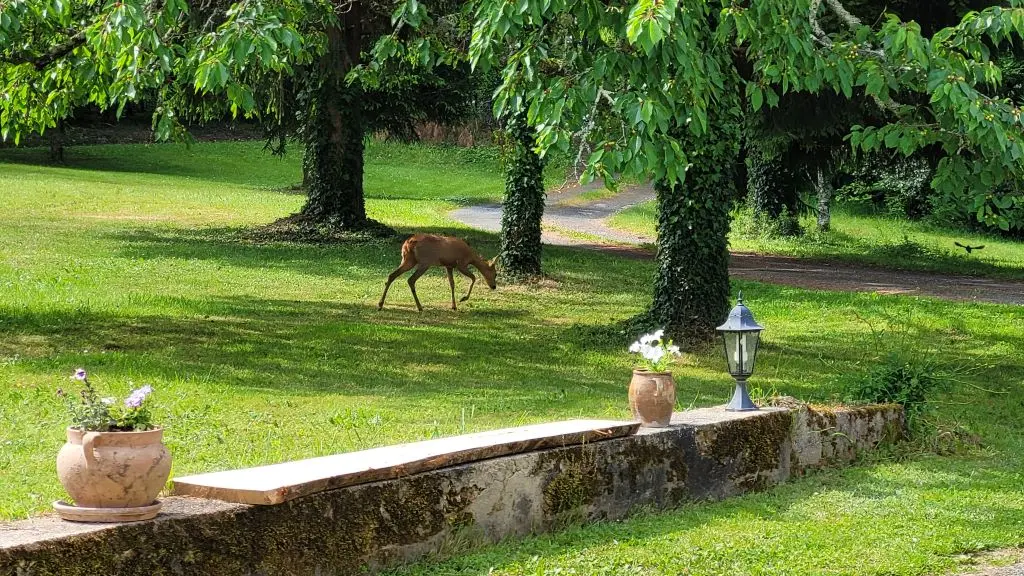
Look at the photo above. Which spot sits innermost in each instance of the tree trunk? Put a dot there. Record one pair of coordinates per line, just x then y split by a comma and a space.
333, 164
523, 204
691, 292
772, 190
57, 142
824, 189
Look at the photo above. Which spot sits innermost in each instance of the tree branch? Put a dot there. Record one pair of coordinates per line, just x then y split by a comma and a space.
849, 19
56, 53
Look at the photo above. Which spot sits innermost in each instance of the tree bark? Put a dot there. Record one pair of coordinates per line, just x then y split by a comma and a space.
824, 189
691, 291
523, 204
335, 132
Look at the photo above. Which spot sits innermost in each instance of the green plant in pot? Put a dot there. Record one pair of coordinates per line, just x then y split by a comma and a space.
652, 391
114, 463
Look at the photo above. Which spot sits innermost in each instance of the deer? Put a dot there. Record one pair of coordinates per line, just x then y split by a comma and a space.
424, 251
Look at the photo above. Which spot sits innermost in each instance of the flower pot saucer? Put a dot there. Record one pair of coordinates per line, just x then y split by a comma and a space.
82, 514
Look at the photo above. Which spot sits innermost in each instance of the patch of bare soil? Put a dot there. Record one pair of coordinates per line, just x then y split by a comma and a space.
998, 563
307, 230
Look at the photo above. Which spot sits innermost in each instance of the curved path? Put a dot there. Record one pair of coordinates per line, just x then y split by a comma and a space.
571, 221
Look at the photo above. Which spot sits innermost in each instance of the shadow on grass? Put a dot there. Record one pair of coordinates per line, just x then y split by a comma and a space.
377, 257
307, 347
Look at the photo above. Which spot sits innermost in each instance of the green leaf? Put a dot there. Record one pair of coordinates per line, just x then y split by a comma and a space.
756, 97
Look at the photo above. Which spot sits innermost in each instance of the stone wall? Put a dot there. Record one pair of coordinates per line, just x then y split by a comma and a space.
707, 454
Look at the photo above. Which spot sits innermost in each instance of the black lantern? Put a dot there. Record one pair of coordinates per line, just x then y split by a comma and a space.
741, 334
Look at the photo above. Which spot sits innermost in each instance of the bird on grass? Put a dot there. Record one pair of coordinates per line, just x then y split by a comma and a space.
969, 248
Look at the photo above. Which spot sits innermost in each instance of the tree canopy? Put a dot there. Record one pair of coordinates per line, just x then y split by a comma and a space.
56, 55
638, 63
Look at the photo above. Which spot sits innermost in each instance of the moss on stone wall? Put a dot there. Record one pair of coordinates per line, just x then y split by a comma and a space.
751, 448
574, 485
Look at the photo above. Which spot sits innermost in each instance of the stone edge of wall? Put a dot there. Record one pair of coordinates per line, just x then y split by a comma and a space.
707, 454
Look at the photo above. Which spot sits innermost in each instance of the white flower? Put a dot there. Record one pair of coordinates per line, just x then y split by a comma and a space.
654, 354
647, 339
108, 401
658, 334
634, 347
674, 349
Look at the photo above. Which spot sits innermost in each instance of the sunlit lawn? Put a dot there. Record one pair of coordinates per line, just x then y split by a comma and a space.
870, 239
131, 262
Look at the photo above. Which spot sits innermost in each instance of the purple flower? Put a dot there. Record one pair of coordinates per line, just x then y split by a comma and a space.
79, 374
138, 396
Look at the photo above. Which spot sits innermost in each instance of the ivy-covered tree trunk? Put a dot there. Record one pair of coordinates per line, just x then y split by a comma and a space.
773, 195
333, 162
691, 291
523, 204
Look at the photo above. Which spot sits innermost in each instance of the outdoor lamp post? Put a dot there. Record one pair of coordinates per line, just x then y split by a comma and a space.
741, 334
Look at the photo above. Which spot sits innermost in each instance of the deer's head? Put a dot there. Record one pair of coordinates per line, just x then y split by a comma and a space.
490, 272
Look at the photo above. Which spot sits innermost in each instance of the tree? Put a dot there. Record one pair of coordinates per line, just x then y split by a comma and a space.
57, 55
772, 184
523, 207
656, 72
289, 63
335, 127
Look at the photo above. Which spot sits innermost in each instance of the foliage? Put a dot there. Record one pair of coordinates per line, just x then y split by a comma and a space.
907, 381
95, 414
898, 185
523, 205
786, 147
773, 194
56, 55
656, 352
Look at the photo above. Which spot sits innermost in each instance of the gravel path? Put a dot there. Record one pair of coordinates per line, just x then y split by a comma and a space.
569, 222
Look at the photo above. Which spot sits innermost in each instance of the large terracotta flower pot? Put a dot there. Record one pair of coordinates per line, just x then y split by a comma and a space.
114, 469
652, 396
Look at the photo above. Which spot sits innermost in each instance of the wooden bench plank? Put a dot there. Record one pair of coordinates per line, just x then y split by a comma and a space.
279, 483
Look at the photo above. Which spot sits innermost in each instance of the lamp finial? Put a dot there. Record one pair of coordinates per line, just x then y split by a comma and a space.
739, 299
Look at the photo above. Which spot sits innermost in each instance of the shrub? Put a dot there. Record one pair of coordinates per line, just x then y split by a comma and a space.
908, 382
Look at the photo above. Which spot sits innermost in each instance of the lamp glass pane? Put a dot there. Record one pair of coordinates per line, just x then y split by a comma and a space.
749, 346
732, 356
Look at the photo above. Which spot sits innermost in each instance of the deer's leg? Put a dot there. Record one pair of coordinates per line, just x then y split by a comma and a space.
472, 280
420, 270
402, 269
451, 282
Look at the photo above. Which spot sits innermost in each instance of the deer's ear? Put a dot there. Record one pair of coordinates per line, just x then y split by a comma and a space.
493, 262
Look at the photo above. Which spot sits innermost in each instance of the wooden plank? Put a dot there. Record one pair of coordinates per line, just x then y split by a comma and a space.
279, 483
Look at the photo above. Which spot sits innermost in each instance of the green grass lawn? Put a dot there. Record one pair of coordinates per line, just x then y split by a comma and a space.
131, 262
870, 239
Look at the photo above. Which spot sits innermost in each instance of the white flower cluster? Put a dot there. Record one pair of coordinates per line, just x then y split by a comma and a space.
655, 351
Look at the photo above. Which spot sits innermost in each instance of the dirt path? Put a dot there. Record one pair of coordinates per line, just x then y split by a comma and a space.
571, 222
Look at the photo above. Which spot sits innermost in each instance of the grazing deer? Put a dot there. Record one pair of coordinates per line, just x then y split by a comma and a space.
424, 251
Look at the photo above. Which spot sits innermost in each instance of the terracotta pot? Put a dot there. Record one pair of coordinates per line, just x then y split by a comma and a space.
114, 469
652, 396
